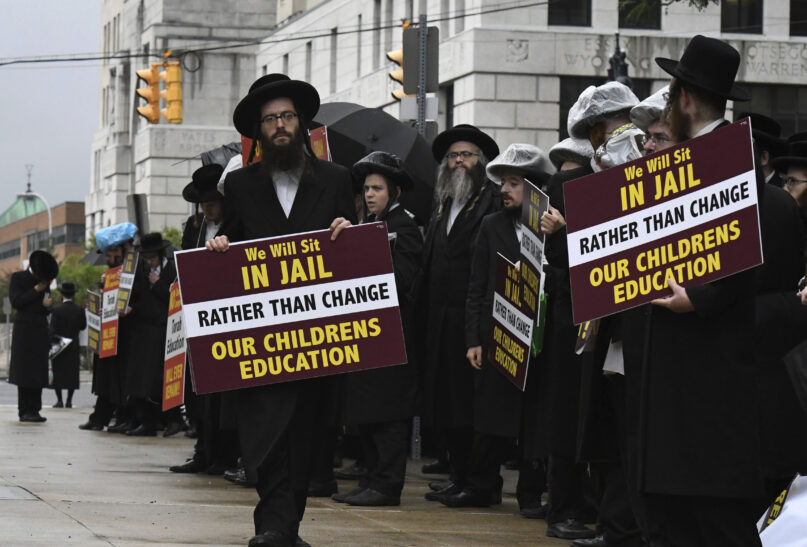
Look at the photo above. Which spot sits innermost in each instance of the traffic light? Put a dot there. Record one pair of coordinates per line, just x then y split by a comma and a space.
396, 57
172, 92
151, 110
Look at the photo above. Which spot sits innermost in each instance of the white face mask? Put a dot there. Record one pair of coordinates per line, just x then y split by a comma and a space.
624, 145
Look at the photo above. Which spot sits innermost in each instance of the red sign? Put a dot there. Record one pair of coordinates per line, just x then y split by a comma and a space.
289, 308
319, 143
93, 313
109, 313
174, 369
127, 276
688, 213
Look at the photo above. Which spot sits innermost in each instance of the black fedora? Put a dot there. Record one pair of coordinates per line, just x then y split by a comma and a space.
43, 265
464, 132
384, 163
766, 131
796, 155
268, 87
709, 64
152, 243
67, 288
203, 183
797, 137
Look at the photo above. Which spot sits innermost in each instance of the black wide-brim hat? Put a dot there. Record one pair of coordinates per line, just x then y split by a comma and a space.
709, 64
152, 243
67, 288
796, 155
246, 117
43, 265
464, 132
203, 183
767, 131
384, 163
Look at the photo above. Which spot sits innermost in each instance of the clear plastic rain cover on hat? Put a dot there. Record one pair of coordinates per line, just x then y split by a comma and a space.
650, 109
577, 150
526, 158
596, 103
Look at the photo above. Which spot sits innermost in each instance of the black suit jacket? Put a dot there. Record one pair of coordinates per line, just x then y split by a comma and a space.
67, 320
254, 211
29, 342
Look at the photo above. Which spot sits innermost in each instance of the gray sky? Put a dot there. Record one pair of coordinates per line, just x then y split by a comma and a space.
48, 112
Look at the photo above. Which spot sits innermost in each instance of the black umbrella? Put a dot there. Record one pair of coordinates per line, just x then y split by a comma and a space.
94, 258
354, 131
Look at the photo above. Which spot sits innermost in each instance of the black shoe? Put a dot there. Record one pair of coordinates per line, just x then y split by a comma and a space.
440, 485
300, 542
238, 476
142, 431
173, 428
322, 490
91, 426
535, 511
345, 495
448, 490
215, 468
191, 433
271, 538
372, 498
597, 541
191, 466
436, 468
58, 404
466, 499
351, 473
337, 461
122, 427
68, 404
33, 417
570, 529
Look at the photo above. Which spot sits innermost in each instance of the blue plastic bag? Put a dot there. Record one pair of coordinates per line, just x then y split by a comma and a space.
114, 235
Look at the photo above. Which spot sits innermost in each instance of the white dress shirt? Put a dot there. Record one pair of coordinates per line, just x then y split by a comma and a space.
454, 212
286, 185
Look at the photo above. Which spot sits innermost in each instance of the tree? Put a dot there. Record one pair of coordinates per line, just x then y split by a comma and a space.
173, 235
83, 276
638, 9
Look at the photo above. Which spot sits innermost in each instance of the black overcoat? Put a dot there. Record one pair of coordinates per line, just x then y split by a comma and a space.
67, 320
29, 340
783, 423
690, 387
254, 211
388, 393
145, 355
497, 401
447, 378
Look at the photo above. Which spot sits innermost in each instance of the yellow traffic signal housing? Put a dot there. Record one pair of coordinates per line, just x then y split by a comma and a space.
151, 110
396, 56
172, 94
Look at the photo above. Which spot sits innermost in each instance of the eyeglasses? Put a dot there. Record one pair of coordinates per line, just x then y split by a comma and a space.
271, 119
658, 138
790, 181
464, 155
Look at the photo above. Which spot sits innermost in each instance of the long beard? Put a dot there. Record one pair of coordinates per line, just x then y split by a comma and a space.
680, 124
458, 184
283, 157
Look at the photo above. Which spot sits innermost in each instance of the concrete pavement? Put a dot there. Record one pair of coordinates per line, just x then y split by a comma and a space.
63, 486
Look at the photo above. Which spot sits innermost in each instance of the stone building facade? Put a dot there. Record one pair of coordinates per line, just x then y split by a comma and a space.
129, 155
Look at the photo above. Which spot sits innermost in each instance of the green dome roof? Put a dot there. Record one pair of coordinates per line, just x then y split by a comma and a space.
21, 209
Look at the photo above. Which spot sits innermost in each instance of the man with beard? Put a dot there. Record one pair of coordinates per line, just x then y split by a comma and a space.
598, 112
497, 401
289, 191
689, 361
464, 196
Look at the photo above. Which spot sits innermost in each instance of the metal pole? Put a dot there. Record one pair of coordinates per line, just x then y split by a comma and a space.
423, 33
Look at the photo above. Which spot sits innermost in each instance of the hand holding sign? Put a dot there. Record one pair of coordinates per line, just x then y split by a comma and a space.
678, 302
552, 221
474, 356
337, 226
218, 244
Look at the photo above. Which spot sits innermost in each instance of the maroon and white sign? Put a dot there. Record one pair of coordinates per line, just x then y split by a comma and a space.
289, 308
688, 213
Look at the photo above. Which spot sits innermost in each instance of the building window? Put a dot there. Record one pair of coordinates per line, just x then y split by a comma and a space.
444, 14
388, 25
638, 14
743, 16
787, 104
575, 13
459, 12
358, 47
376, 34
285, 65
308, 62
798, 17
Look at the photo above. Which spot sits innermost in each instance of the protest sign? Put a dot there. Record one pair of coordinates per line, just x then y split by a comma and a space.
319, 143
688, 213
93, 313
289, 308
127, 276
509, 350
174, 367
535, 204
109, 313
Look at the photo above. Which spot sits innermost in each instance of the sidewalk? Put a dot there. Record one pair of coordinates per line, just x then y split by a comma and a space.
63, 486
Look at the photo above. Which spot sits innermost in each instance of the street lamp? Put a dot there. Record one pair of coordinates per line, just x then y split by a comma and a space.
31, 195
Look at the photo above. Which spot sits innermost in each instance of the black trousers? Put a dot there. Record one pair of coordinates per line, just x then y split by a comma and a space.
384, 446
531, 482
102, 412
29, 400
565, 482
700, 521
487, 455
214, 445
459, 442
